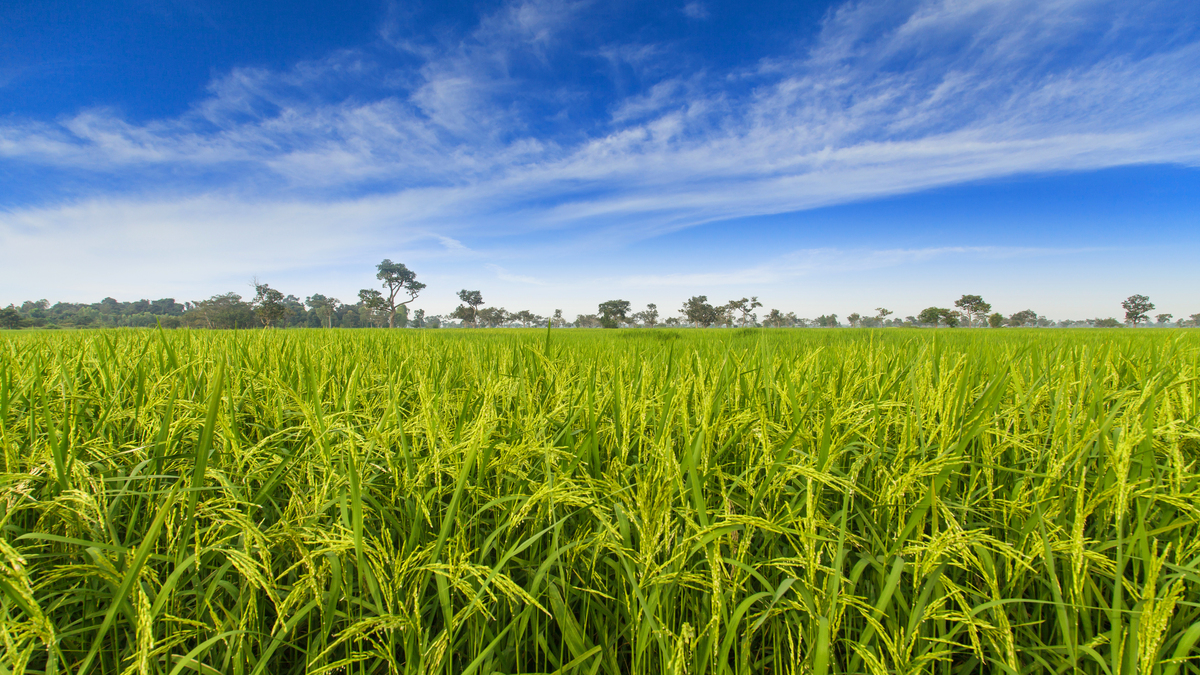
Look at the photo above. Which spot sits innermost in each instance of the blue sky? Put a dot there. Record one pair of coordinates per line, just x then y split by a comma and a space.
826, 157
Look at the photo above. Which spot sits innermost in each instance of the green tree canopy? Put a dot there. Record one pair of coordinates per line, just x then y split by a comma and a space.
973, 307
397, 279
268, 305
1137, 307
699, 312
613, 313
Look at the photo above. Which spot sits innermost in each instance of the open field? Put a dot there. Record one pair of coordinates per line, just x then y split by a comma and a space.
637, 501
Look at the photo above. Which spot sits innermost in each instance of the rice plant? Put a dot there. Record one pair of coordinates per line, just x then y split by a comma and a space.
726, 501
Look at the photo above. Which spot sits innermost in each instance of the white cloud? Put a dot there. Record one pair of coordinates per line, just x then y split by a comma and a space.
505, 275
695, 10
796, 265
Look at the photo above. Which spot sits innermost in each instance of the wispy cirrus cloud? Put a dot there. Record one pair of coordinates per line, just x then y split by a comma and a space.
800, 264
484, 135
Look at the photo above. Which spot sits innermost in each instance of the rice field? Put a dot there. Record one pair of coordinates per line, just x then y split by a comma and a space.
600, 502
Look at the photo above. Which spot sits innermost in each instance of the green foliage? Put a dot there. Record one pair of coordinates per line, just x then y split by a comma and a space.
699, 312
973, 307
1137, 308
613, 313
397, 279
10, 317
323, 307
269, 305
1025, 317
469, 310
758, 501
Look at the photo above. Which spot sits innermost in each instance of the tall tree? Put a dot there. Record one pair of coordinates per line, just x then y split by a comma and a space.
397, 279
557, 320
972, 307
268, 304
469, 310
613, 313
854, 319
1137, 307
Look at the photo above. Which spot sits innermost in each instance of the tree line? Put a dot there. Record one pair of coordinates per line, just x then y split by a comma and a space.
388, 305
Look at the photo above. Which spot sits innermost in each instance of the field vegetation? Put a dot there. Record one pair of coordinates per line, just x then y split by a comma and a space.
653, 501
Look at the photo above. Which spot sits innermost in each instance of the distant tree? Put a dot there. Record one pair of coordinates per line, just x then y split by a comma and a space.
699, 312
557, 320
828, 321
882, 313
37, 310
166, 306
613, 313
854, 319
493, 316
725, 315
469, 310
525, 316
587, 321
972, 307
294, 313
1163, 319
397, 279
324, 307
935, 316
774, 319
995, 320
1110, 322
1193, 320
1136, 308
10, 317
466, 314
418, 320
268, 304
648, 316
1025, 317
744, 307
671, 321
220, 311
372, 306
